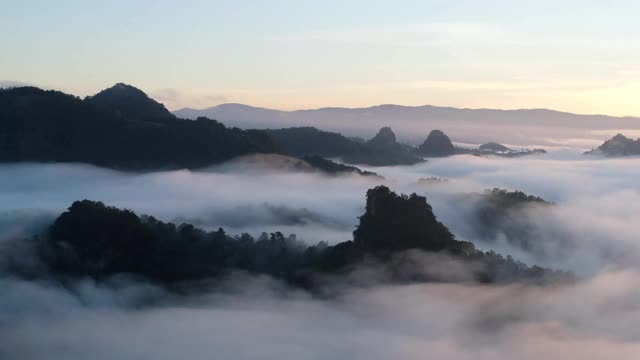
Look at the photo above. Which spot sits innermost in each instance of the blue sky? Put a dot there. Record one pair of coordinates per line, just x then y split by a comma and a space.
579, 56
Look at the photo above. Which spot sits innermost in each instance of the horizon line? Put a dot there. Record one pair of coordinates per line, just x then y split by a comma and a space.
20, 84
406, 106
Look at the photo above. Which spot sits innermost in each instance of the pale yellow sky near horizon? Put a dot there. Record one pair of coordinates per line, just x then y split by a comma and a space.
614, 101
575, 56
605, 101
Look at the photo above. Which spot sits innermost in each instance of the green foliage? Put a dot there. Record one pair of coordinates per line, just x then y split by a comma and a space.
437, 144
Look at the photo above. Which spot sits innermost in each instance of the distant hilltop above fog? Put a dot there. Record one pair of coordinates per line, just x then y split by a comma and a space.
437, 144
525, 127
618, 145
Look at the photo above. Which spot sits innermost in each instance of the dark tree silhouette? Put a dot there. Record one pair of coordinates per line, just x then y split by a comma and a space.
119, 128
92, 239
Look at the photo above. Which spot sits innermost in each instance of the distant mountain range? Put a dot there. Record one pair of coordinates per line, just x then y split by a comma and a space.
413, 123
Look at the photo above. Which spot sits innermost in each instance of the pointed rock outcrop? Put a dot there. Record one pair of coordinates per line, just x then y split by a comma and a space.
437, 144
385, 138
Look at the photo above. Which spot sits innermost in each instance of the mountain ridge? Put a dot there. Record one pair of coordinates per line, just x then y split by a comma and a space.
425, 106
120, 127
520, 127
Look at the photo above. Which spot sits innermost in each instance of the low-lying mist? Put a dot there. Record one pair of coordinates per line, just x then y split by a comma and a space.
589, 230
594, 319
595, 200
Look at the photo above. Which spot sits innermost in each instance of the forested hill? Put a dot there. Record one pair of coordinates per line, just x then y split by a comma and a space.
120, 127
382, 150
398, 233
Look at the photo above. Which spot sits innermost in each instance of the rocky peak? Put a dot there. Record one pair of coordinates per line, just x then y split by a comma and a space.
384, 138
437, 144
619, 145
399, 222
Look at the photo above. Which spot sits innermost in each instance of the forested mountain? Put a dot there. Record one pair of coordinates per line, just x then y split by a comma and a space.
464, 125
119, 127
300, 141
131, 103
381, 150
92, 239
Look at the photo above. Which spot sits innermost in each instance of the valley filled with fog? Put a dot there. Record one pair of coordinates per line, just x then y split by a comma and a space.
335, 180
588, 228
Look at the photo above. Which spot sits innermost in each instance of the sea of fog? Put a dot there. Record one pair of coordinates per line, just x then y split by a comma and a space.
596, 211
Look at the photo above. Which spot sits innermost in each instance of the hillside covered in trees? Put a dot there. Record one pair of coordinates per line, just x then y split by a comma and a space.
120, 127
381, 150
399, 233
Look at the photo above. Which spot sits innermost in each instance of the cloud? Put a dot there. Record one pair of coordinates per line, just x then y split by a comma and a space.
595, 319
593, 214
247, 317
595, 202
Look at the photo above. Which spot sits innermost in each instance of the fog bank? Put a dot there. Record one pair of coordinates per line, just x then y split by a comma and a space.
589, 230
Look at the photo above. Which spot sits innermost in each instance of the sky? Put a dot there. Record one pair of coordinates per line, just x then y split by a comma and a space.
577, 56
